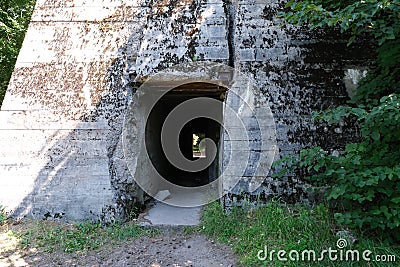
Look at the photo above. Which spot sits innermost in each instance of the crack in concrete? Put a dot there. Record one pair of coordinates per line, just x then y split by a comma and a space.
230, 11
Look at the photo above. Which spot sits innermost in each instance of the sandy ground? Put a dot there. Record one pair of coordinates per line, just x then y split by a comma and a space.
172, 247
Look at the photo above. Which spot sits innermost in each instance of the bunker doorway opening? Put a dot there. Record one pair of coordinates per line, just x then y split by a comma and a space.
190, 137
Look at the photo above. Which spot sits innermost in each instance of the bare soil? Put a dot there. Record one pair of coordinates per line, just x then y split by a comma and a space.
172, 247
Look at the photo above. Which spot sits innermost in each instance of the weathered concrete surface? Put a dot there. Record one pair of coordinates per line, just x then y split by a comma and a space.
61, 119
81, 61
248, 147
299, 71
63, 110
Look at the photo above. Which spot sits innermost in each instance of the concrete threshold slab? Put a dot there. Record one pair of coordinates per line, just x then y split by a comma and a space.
164, 214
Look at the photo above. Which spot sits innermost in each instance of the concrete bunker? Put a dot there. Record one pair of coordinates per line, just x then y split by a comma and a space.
66, 129
190, 137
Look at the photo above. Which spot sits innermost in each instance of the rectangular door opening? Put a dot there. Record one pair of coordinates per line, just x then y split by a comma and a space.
190, 136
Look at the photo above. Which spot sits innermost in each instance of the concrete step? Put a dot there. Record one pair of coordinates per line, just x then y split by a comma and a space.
161, 214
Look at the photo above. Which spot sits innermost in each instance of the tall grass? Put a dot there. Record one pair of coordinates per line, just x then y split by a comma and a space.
282, 227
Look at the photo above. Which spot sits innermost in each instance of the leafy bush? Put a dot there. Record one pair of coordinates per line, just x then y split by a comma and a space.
380, 19
364, 179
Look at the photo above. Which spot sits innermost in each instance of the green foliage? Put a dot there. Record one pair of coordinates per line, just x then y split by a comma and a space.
3, 215
378, 18
364, 179
275, 226
280, 227
384, 78
366, 176
78, 237
14, 19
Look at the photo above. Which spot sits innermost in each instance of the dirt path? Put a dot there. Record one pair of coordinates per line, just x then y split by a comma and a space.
172, 247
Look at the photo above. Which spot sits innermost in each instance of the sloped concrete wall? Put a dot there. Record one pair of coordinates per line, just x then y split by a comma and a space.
61, 119
63, 110
81, 62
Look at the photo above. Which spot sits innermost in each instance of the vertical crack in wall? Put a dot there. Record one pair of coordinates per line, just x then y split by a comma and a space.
229, 9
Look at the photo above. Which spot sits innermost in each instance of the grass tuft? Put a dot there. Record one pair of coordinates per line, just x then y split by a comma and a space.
284, 227
81, 237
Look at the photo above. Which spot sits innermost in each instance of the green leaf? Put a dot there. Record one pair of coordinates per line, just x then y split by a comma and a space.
375, 136
395, 200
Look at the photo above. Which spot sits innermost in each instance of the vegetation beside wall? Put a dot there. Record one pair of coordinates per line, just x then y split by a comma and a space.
14, 19
276, 227
364, 179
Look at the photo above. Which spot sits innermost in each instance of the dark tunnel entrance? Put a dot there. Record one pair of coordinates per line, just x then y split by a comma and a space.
189, 138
